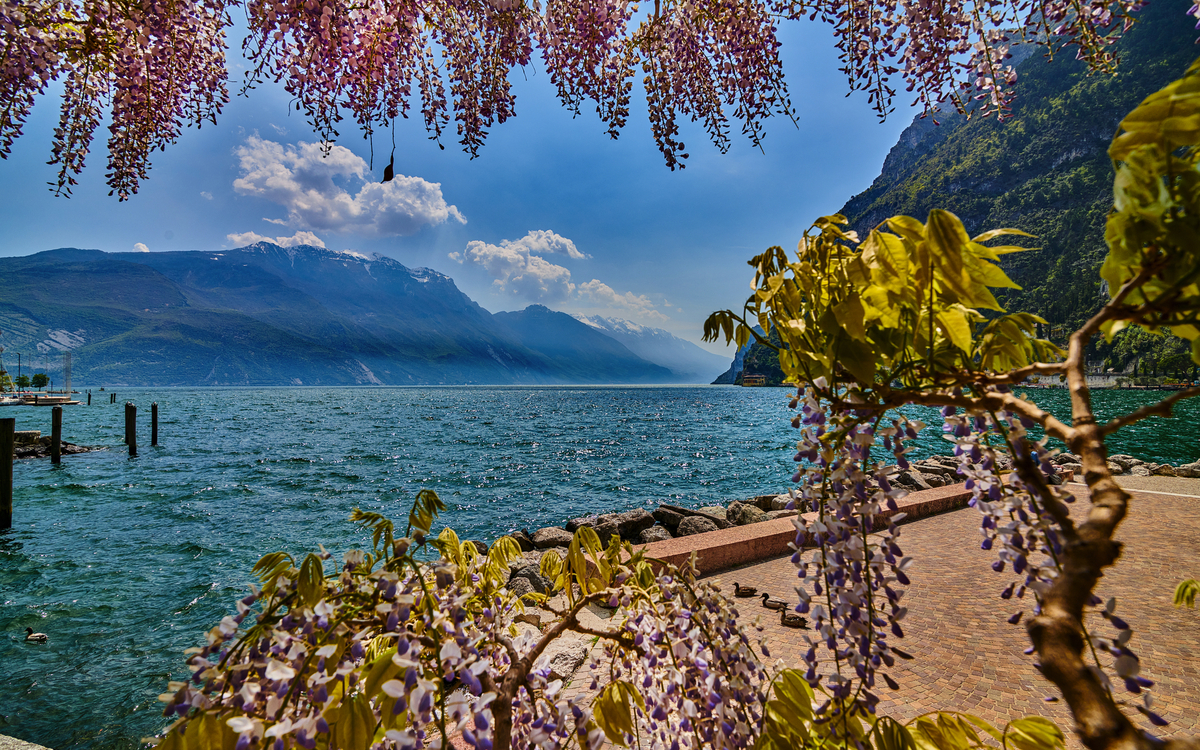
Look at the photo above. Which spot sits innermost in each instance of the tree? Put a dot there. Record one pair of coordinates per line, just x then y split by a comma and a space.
398, 650
22, 381
40, 380
906, 317
156, 66
6, 383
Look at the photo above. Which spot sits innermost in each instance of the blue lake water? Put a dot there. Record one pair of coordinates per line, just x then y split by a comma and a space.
125, 562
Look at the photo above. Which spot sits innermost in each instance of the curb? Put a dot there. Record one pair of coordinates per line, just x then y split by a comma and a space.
727, 548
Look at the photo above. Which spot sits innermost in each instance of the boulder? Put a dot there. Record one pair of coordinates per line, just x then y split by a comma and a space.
667, 517
1164, 470
1188, 470
654, 534
563, 656
912, 478
551, 536
936, 480
695, 525
773, 514
762, 502
627, 525
1075, 467
1115, 468
929, 467
523, 539
480, 547
716, 511
719, 520
1139, 471
780, 502
742, 514
1065, 458
520, 587
532, 574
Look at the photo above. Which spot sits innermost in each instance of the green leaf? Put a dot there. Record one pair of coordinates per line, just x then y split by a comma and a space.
1034, 733
311, 584
207, 732
355, 729
613, 710
1185, 593
380, 671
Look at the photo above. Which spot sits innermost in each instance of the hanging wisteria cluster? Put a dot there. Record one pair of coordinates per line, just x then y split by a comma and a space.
156, 65
699, 679
1020, 522
852, 583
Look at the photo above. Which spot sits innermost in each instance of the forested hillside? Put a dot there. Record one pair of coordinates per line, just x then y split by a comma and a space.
1045, 171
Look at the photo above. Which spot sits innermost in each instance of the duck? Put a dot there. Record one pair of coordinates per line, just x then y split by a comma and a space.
744, 591
770, 603
35, 637
792, 620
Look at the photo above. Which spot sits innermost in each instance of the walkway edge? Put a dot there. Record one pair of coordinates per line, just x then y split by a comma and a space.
727, 548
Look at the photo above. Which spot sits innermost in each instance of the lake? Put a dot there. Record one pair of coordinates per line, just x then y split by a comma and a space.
126, 562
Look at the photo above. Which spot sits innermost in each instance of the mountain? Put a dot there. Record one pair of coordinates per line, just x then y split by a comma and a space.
687, 362
732, 375
584, 354
1046, 171
267, 315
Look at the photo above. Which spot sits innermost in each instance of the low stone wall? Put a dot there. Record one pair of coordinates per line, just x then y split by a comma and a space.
12, 743
738, 545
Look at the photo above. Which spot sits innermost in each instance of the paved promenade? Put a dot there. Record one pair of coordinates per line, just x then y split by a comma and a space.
969, 658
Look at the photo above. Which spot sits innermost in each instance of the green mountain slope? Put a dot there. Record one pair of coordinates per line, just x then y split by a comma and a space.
1045, 171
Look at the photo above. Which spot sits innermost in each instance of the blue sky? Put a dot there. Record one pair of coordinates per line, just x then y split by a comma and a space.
552, 211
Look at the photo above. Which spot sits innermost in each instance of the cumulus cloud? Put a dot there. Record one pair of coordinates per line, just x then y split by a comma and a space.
514, 267
302, 179
603, 295
140, 247
206, 195
241, 239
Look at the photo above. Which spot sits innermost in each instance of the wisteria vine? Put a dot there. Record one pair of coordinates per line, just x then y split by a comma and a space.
156, 65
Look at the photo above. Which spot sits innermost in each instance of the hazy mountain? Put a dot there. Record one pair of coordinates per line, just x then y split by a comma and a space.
584, 354
686, 361
269, 315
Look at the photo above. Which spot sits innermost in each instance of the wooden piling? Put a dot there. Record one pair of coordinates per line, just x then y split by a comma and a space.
131, 428
89, 398
154, 423
56, 435
8, 443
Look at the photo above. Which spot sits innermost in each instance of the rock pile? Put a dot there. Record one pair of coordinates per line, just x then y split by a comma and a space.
40, 448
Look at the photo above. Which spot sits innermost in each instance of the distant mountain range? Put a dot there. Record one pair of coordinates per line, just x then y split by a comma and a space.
687, 362
269, 315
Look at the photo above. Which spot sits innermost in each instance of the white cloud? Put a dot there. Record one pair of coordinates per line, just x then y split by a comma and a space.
241, 239
301, 179
515, 269
603, 295
206, 195
140, 247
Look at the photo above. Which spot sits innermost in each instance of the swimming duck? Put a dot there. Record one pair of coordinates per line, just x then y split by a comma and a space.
770, 603
35, 637
744, 591
792, 620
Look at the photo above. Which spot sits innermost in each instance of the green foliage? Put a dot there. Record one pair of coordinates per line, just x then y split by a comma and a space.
789, 722
22, 381
905, 304
40, 380
1185, 593
1153, 231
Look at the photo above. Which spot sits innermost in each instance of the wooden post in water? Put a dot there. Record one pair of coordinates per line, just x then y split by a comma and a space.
131, 428
89, 398
56, 435
154, 423
8, 442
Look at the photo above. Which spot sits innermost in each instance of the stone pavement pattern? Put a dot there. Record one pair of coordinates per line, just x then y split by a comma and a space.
968, 657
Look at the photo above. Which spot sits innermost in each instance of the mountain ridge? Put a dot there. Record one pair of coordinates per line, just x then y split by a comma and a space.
265, 314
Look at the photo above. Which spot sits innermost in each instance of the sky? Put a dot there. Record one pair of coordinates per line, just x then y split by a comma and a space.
552, 211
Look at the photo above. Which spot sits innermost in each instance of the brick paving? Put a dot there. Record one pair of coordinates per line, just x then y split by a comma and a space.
969, 658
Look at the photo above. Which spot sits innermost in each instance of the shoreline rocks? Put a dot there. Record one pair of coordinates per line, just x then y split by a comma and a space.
40, 448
